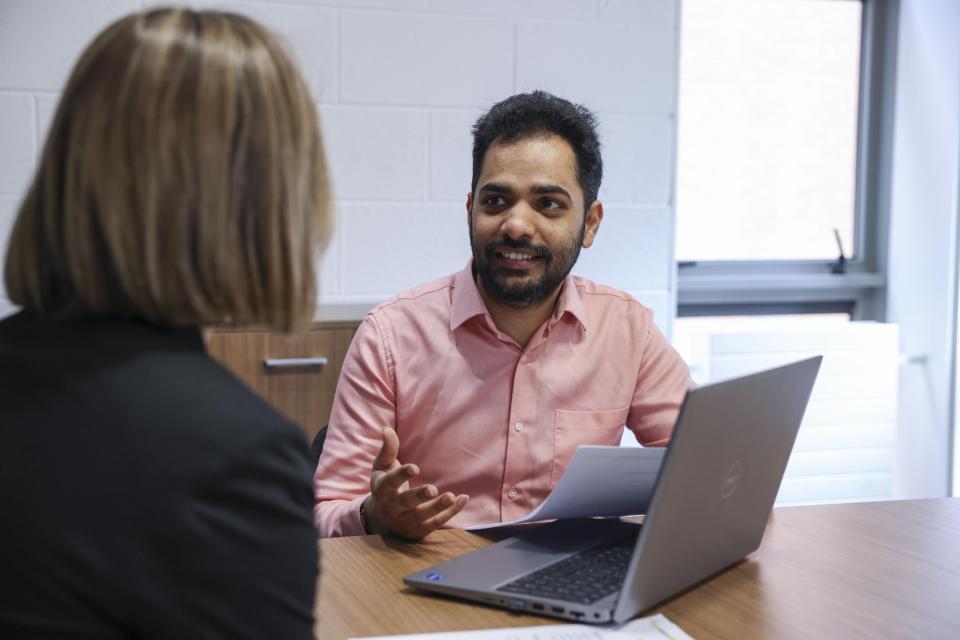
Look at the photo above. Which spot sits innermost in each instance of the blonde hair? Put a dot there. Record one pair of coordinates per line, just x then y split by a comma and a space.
183, 181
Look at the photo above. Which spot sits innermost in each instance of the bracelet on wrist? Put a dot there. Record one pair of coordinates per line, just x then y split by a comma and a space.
363, 517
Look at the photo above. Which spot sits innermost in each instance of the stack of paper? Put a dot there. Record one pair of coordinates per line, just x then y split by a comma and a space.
601, 482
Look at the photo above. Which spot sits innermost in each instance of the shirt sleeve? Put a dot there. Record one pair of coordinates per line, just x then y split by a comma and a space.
662, 382
247, 554
365, 403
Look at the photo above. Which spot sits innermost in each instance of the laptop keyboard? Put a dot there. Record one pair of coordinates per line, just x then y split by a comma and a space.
584, 577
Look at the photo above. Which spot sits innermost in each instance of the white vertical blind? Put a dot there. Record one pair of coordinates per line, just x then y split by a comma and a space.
845, 450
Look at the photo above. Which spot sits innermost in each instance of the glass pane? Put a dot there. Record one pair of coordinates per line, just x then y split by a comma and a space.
769, 93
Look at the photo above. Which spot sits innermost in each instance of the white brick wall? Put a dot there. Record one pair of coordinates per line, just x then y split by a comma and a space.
390, 244
451, 154
610, 66
18, 132
40, 40
8, 207
310, 31
377, 153
399, 83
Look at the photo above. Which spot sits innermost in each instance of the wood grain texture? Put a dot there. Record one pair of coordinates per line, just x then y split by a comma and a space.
302, 394
864, 570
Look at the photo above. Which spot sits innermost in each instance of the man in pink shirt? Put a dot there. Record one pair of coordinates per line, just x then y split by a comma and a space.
462, 401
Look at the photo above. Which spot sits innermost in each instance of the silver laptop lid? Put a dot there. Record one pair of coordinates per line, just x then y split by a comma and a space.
718, 481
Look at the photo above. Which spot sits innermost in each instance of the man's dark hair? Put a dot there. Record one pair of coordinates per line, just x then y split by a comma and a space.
527, 115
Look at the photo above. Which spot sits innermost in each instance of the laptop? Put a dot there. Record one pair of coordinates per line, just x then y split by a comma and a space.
713, 495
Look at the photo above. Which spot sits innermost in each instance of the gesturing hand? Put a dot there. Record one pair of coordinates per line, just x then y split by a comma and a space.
393, 507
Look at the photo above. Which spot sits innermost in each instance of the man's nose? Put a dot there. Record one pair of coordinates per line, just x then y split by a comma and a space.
519, 222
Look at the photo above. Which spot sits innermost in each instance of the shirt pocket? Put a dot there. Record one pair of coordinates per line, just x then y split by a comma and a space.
574, 428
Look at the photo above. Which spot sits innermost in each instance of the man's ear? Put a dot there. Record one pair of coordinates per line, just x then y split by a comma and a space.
594, 216
470, 210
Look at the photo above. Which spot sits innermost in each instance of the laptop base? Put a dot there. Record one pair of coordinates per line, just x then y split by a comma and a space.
481, 576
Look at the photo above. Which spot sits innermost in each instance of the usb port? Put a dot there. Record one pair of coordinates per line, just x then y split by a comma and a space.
578, 614
556, 609
537, 607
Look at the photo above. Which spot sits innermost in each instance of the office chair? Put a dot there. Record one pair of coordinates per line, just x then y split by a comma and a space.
316, 448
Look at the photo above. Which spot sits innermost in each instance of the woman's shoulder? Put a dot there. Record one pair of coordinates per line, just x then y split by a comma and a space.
151, 392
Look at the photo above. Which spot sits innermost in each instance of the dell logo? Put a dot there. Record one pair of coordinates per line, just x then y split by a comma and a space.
732, 480
433, 577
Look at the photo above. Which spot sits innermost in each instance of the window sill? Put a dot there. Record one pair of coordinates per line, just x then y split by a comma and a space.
747, 288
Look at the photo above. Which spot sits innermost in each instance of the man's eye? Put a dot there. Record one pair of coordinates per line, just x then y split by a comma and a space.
494, 201
550, 203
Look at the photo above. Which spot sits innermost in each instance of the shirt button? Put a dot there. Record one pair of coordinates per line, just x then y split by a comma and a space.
518, 426
512, 493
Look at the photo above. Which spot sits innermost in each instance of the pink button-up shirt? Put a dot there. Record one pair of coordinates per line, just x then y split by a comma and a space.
481, 416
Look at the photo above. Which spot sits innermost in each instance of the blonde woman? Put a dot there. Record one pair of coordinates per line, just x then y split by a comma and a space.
144, 492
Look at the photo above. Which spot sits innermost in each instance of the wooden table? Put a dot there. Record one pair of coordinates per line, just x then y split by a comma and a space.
865, 570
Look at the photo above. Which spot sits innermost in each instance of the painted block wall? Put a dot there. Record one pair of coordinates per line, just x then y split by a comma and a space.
398, 84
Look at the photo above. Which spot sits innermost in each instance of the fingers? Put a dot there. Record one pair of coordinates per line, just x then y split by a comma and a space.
423, 511
441, 504
413, 498
385, 485
387, 457
436, 513
393, 507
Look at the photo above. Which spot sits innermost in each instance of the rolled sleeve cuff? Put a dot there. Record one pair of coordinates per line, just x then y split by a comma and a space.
335, 518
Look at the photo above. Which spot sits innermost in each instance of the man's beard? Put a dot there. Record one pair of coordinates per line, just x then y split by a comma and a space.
526, 293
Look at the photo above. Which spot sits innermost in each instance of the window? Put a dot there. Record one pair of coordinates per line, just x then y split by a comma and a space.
783, 141
782, 125
768, 137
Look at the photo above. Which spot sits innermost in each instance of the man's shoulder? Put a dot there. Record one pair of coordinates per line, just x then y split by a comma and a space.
430, 299
606, 298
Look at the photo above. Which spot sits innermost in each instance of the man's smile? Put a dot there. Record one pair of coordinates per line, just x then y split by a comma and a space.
515, 259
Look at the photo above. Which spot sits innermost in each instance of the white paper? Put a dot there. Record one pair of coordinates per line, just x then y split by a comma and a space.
656, 627
601, 482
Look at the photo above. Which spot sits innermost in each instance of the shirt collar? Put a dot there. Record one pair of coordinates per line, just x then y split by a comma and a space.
467, 303
571, 302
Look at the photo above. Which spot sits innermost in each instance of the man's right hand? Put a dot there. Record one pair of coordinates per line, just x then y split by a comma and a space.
393, 507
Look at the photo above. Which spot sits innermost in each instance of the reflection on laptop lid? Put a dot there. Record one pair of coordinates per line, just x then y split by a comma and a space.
714, 492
